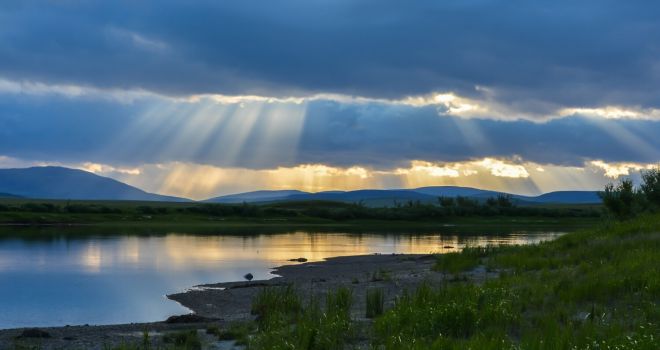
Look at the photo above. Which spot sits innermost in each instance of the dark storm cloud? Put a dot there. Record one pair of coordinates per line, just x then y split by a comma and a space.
536, 55
374, 135
384, 136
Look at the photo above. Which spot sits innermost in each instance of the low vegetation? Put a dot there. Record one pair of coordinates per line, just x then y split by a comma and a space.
179, 340
464, 260
624, 200
284, 323
375, 302
592, 289
35, 211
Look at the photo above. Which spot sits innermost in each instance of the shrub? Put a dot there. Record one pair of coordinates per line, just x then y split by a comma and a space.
621, 200
650, 186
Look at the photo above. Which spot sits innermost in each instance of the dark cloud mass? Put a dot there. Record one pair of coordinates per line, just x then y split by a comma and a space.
536, 55
374, 135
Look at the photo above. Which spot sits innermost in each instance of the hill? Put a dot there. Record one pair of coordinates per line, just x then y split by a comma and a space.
391, 197
577, 197
255, 196
63, 183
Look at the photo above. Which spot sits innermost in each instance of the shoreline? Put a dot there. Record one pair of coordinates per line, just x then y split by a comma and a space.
220, 304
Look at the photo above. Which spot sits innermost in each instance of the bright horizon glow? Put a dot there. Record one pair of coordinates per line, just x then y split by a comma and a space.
198, 181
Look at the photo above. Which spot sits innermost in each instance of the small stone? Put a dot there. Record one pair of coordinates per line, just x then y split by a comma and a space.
248, 277
299, 260
189, 318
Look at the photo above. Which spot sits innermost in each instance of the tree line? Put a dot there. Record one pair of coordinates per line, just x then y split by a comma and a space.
624, 200
444, 207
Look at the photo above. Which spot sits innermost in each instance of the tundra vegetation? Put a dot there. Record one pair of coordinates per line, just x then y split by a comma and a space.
592, 289
21, 211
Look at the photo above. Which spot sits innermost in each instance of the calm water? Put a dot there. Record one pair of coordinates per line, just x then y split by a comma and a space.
62, 280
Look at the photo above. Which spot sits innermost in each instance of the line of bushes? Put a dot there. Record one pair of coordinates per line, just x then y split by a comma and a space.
624, 200
410, 211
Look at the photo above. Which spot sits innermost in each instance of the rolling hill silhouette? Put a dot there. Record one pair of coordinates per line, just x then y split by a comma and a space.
53, 182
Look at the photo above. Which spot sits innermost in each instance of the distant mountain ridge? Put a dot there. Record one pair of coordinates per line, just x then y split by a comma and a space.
389, 197
53, 182
259, 196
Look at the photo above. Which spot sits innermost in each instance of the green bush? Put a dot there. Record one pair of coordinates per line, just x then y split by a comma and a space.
650, 186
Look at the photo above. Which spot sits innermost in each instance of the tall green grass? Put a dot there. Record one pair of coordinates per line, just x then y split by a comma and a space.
375, 302
180, 340
290, 326
468, 258
596, 289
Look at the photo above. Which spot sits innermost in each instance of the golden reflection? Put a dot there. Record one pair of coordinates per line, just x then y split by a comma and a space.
91, 257
185, 250
129, 252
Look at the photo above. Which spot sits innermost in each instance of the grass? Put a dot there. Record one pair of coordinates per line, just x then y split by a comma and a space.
180, 340
288, 325
380, 275
467, 259
276, 306
185, 340
375, 302
237, 331
596, 289
592, 289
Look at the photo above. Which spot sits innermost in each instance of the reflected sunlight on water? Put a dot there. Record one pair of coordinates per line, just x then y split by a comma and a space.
116, 279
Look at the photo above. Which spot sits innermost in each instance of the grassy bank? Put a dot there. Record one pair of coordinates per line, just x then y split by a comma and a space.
595, 289
109, 213
153, 217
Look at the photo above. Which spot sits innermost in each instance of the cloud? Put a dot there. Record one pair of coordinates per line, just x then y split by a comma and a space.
263, 134
614, 112
502, 169
513, 58
515, 176
106, 169
617, 170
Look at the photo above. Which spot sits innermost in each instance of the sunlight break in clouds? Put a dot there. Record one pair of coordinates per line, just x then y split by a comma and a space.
502, 169
205, 181
614, 112
102, 168
485, 106
615, 170
495, 167
198, 181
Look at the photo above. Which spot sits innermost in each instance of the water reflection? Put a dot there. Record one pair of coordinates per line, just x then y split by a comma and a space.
117, 279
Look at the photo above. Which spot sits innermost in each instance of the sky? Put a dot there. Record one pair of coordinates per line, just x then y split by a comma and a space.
199, 99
